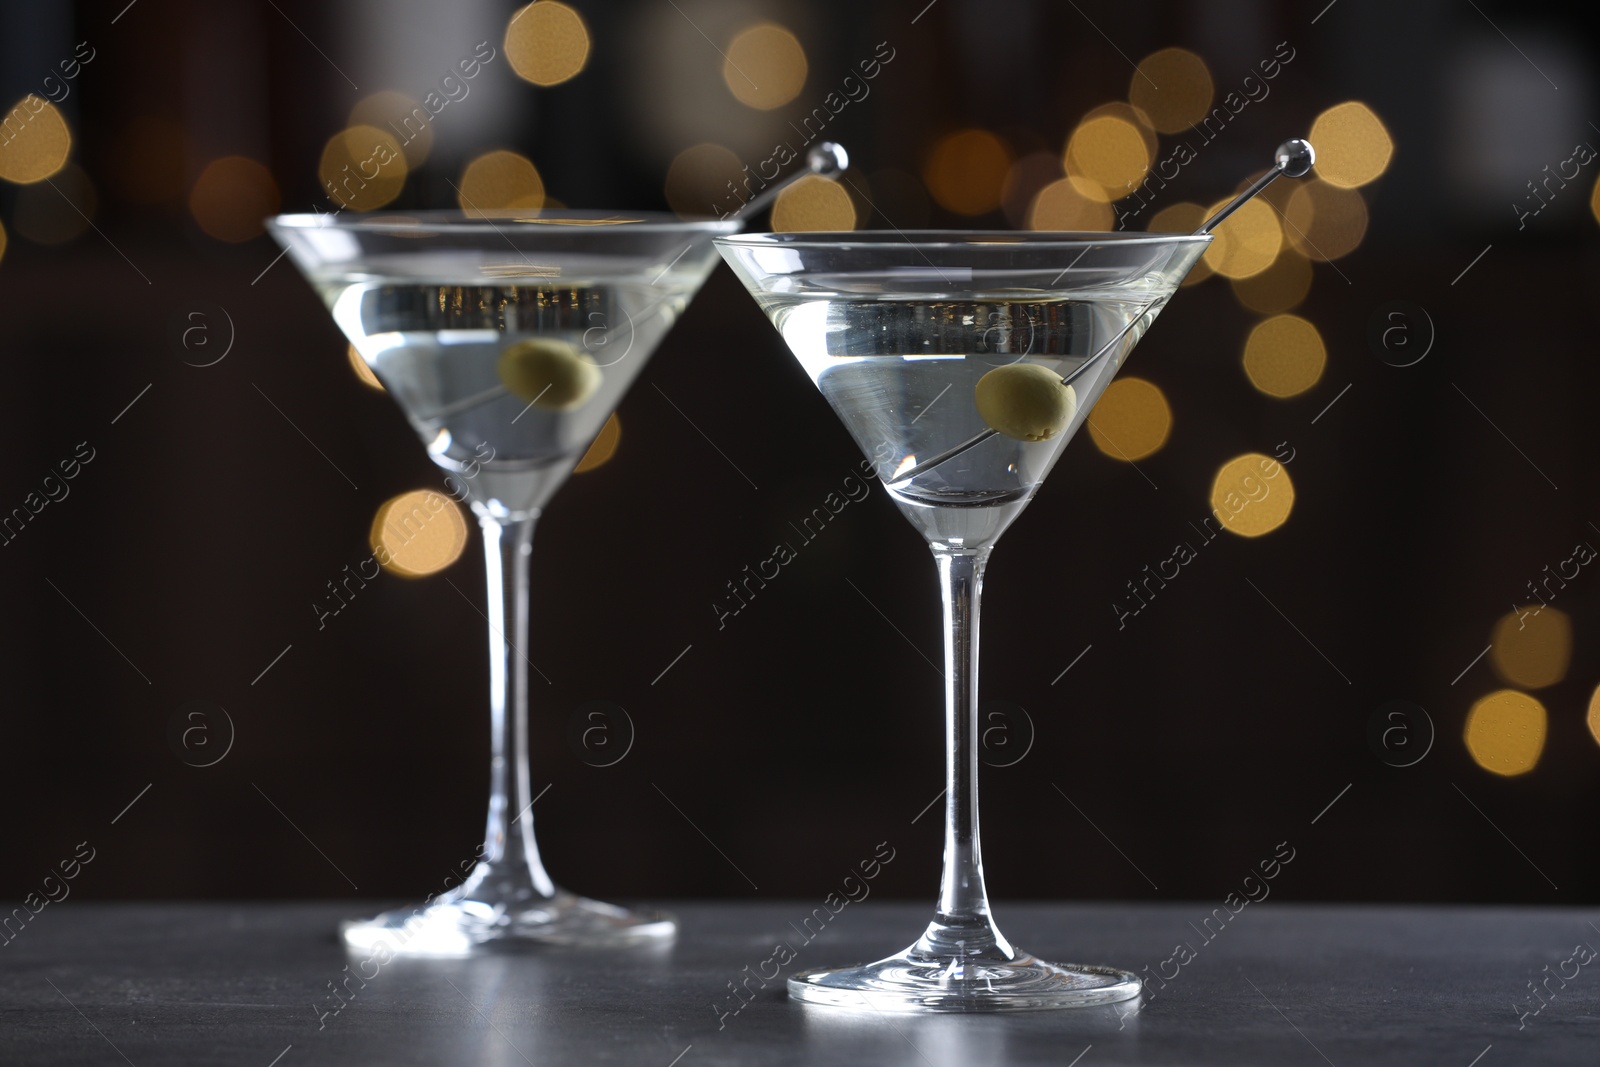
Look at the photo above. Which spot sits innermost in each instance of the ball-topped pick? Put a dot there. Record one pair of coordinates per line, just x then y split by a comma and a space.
826, 159
1295, 157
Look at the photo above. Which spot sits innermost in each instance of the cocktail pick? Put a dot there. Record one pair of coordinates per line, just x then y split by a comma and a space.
1293, 158
826, 159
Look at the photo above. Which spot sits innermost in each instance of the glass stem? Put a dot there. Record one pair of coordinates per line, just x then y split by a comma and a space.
509, 869
962, 927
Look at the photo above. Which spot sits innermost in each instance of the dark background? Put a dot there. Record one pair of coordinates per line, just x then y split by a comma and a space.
807, 730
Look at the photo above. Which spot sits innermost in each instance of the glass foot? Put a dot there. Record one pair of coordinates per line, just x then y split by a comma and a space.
463, 927
911, 981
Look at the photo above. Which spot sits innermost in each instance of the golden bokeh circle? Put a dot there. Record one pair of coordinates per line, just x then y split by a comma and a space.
1174, 88
1532, 646
1325, 222
1252, 495
1353, 146
698, 177
603, 447
1279, 288
418, 533
1025, 177
1246, 242
1182, 217
363, 371
1505, 732
500, 181
411, 122
1594, 200
764, 66
1594, 715
1108, 156
1132, 116
547, 42
1284, 356
1131, 420
36, 142
232, 198
363, 168
813, 203
1060, 206
966, 172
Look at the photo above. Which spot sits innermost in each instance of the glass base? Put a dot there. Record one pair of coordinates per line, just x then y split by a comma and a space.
911, 981
464, 927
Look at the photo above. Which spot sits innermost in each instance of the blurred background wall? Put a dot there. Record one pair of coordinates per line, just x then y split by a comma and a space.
1390, 664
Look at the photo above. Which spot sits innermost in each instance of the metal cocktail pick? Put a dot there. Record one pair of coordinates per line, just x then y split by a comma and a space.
826, 159
1293, 158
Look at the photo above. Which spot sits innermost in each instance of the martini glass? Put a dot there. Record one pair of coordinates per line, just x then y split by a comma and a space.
925, 345
507, 340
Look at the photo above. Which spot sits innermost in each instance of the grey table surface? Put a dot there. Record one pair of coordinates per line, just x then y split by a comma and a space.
249, 984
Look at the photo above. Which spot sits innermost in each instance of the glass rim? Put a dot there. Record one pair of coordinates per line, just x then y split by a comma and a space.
455, 220
965, 239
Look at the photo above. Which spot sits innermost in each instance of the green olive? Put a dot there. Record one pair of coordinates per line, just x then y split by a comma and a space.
1025, 401
549, 374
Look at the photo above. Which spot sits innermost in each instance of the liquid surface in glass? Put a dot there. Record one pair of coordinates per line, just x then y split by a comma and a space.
901, 374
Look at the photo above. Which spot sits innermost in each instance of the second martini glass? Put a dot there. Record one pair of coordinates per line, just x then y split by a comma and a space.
944, 355
507, 341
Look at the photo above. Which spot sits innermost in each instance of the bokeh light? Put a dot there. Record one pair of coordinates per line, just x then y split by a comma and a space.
2, 242
500, 181
1182, 217
966, 172
547, 42
1281, 287
1532, 646
813, 203
1131, 420
698, 177
37, 141
764, 66
1323, 221
149, 155
363, 168
1173, 87
1252, 495
410, 121
604, 446
57, 211
364, 372
1505, 732
232, 197
1132, 116
1594, 200
1246, 242
1107, 157
1059, 206
1594, 715
1353, 147
418, 533
1284, 356
1027, 176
